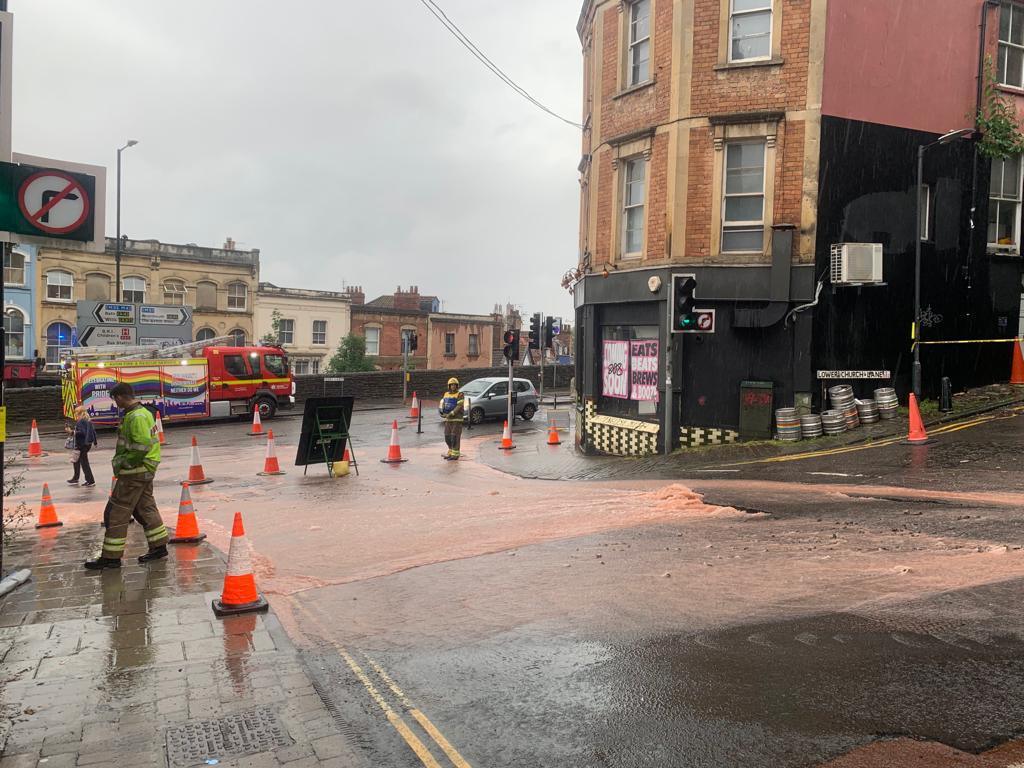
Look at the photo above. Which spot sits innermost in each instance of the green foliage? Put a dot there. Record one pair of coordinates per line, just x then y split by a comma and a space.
272, 337
997, 120
351, 356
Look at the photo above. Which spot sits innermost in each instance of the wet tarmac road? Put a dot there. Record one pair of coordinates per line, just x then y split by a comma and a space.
625, 623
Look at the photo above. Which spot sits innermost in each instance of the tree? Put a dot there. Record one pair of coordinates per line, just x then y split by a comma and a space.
273, 337
351, 356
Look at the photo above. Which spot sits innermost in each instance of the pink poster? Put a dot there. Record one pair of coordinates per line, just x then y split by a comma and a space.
643, 370
615, 369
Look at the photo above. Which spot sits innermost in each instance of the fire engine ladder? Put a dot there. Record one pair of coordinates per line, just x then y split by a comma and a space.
147, 352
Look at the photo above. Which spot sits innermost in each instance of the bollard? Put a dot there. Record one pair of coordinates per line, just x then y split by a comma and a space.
419, 421
946, 396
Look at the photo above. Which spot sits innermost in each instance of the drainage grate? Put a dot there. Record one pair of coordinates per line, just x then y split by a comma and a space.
243, 733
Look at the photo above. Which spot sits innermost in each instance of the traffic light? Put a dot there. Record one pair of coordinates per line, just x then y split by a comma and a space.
549, 331
511, 350
534, 332
683, 316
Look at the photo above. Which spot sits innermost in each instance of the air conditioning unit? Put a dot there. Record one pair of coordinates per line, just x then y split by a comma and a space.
856, 263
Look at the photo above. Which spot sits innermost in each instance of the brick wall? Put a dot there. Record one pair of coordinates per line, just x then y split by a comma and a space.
716, 91
391, 323
750, 89
462, 329
623, 113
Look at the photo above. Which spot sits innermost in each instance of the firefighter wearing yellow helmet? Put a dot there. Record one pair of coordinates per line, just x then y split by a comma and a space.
451, 410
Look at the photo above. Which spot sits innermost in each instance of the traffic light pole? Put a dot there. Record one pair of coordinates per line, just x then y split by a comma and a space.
405, 368
511, 414
540, 346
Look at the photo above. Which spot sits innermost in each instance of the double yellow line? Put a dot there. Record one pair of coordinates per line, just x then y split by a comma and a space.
944, 429
394, 718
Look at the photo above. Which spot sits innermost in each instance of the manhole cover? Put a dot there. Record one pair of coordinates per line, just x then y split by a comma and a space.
243, 733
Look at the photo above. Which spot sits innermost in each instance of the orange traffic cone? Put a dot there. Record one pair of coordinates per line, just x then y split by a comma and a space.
257, 425
270, 465
47, 512
1017, 371
917, 434
35, 448
187, 529
506, 439
414, 410
346, 456
553, 438
239, 595
196, 476
394, 450
160, 429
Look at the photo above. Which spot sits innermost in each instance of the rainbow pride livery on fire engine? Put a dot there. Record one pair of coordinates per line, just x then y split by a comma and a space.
193, 381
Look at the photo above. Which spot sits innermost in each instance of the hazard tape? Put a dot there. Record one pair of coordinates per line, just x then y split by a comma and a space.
967, 341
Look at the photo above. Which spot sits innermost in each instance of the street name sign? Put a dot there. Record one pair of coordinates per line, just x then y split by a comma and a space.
854, 374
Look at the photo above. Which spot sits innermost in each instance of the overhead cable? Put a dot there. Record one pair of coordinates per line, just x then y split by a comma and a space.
438, 13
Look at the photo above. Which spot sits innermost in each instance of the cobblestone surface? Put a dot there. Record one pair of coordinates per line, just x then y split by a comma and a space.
96, 667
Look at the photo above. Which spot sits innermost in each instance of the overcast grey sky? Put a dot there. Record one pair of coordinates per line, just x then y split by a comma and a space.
354, 142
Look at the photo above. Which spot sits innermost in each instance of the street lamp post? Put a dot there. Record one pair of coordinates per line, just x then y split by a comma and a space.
117, 244
944, 139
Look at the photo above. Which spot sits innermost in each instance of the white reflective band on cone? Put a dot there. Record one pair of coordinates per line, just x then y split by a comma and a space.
239, 563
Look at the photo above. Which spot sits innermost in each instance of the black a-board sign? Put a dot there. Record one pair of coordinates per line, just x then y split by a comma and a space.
325, 432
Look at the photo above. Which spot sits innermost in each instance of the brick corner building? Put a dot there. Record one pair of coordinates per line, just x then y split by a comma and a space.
738, 141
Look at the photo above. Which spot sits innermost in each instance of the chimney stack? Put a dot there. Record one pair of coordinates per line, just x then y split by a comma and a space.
408, 300
355, 293
229, 244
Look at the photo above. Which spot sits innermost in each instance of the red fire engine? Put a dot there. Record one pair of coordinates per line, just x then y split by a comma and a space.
192, 381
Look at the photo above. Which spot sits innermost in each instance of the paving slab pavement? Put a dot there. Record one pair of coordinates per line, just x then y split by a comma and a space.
534, 459
131, 667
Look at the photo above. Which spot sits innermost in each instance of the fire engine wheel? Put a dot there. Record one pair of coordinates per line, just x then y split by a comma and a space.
267, 407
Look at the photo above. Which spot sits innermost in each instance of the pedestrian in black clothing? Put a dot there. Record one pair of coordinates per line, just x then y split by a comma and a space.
85, 439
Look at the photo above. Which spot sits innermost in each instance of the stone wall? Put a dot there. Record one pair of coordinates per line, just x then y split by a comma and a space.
387, 385
44, 404
27, 403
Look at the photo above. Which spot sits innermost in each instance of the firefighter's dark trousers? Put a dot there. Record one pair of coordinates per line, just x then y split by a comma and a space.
133, 495
453, 436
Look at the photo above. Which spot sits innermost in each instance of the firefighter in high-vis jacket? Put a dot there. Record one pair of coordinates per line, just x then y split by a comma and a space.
135, 461
451, 410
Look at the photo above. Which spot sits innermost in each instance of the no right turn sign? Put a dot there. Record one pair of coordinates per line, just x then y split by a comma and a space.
54, 202
47, 203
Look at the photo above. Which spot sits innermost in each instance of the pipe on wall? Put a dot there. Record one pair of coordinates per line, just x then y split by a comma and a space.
782, 268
